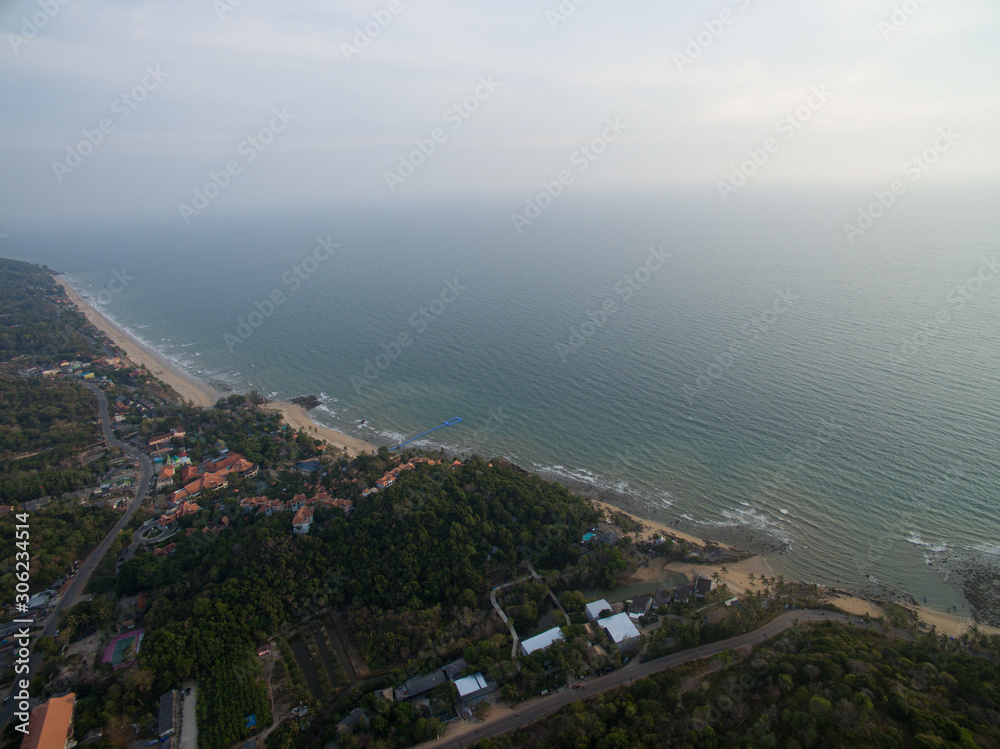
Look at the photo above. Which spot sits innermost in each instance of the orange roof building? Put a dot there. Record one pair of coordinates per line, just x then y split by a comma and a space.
51, 725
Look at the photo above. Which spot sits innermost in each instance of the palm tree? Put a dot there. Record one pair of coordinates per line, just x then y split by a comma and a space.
751, 577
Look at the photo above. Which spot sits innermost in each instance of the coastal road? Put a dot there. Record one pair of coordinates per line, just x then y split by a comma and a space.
82, 577
542, 706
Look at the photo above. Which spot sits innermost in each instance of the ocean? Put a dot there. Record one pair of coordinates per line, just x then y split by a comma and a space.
741, 369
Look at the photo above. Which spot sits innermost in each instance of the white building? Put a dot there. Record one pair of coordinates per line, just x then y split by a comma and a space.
621, 630
472, 686
542, 641
594, 609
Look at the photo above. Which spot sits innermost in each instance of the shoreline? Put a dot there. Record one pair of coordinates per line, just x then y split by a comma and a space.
186, 386
737, 577
194, 390
297, 417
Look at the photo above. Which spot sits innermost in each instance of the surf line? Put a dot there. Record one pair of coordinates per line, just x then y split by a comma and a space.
449, 423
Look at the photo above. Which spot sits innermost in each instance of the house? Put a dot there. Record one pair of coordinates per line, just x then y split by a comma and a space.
454, 669
385, 482
595, 609
167, 724
358, 716
622, 631
178, 432
702, 587
683, 592
160, 439
165, 478
661, 598
609, 538
165, 551
640, 607
302, 521
473, 687
541, 642
420, 685
50, 725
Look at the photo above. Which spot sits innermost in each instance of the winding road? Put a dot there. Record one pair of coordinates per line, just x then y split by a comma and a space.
543, 706
82, 577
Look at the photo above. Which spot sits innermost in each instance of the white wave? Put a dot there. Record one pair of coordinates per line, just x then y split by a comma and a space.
916, 540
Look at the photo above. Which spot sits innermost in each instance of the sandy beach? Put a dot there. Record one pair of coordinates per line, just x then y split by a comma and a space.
298, 417
737, 578
197, 392
187, 387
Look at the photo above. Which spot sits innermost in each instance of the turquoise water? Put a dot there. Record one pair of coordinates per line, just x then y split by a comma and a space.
754, 382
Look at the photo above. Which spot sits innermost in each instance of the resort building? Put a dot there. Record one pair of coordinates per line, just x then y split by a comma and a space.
595, 609
50, 725
541, 642
622, 631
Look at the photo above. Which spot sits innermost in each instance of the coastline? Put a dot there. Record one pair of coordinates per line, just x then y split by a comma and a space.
737, 573
197, 392
186, 386
737, 577
298, 417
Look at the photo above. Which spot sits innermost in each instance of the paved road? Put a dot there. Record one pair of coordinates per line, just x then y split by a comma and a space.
542, 706
89, 564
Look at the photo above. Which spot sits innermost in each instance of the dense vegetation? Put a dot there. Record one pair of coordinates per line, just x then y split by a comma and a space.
219, 596
819, 685
60, 535
43, 425
34, 327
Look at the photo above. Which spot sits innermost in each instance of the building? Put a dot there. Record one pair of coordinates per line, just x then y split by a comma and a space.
622, 631
51, 724
167, 724
702, 587
595, 609
166, 478
640, 607
683, 592
473, 687
420, 685
541, 642
661, 599
302, 521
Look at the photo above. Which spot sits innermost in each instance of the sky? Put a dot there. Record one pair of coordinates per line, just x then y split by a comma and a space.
127, 111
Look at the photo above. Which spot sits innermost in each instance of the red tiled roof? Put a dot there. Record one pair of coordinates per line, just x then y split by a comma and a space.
51, 724
303, 516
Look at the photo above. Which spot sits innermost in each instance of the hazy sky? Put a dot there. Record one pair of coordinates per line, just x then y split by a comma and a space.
534, 82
